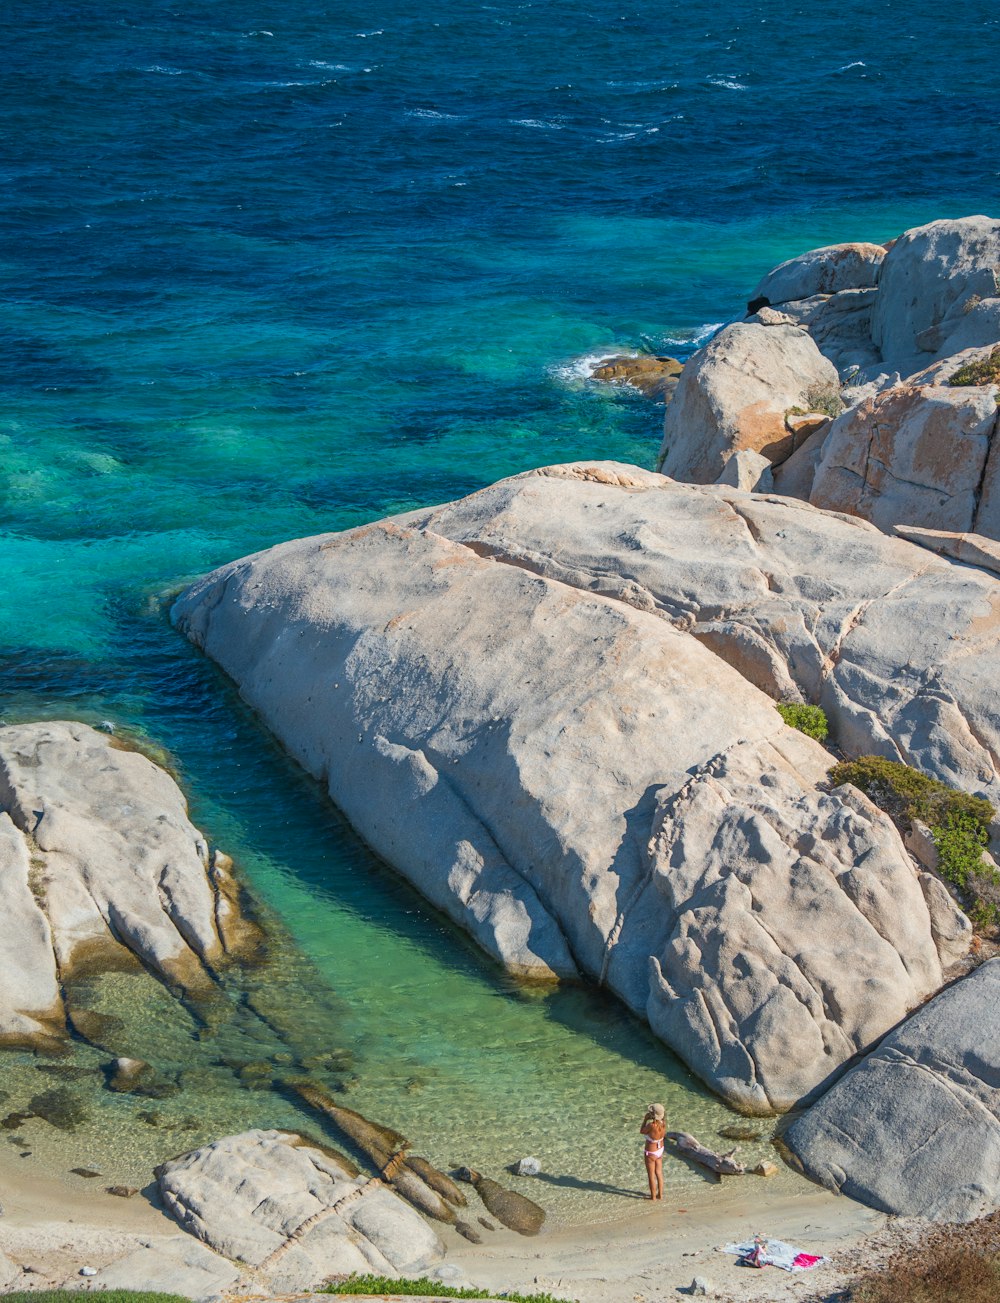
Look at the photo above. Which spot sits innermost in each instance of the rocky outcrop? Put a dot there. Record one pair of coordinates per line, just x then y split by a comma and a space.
915, 1128
913, 453
99, 865
294, 1213
828, 270
931, 276
656, 377
734, 395
747, 470
584, 785
897, 325
901, 648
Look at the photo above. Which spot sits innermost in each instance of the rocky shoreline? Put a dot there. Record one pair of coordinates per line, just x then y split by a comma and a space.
551, 706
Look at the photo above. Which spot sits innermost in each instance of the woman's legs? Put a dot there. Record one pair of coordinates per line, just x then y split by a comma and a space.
658, 1172
651, 1174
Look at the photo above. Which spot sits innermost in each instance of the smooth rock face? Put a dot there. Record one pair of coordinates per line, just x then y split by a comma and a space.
97, 861
734, 394
838, 324
900, 647
973, 549
656, 377
911, 454
175, 1264
747, 470
827, 270
493, 696
294, 1212
915, 1128
930, 277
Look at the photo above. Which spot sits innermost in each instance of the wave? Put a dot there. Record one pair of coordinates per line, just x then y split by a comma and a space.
433, 115
858, 63
379, 31
166, 72
727, 83
693, 339
579, 369
260, 32
331, 67
539, 125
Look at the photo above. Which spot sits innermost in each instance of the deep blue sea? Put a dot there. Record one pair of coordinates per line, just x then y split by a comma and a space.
274, 269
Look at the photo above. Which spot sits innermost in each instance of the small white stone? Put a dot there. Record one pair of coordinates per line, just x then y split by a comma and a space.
528, 1167
88, 1271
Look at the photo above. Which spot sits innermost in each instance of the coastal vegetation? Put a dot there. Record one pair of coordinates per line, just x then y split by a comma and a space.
810, 720
378, 1286
953, 1264
983, 371
107, 1296
959, 824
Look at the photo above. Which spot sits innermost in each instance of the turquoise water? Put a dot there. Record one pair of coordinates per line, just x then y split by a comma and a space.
276, 269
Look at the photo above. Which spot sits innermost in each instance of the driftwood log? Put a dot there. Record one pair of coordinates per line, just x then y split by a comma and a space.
722, 1164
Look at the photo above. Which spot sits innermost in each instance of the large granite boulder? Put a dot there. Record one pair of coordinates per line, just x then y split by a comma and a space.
915, 454
491, 693
901, 648
838, 324
915, 1127
931, 276
294, 1213
827, 270
735, 393
98, 863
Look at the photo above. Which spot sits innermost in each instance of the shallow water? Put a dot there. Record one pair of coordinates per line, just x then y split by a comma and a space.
279, 270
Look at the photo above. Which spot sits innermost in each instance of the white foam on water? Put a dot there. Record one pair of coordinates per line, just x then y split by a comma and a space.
166, 72
433, 114
582, 368
534, 122
858, 63
727, 83
695, 338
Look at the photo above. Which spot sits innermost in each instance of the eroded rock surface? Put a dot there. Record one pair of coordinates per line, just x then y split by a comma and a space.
930, 278
914, 454
295, 1214
98, 863
734, 394
826, 270
505, 697
915, 1128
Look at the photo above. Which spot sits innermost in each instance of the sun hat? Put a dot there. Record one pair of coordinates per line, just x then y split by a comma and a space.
657, 1111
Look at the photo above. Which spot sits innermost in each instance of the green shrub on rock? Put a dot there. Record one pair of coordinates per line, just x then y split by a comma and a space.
959, 824
807, 719
380, 1286
984, 371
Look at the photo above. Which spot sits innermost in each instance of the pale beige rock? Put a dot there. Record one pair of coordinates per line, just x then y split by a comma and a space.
173, 1264
491, 693
826, 270
973, 549
747, 470
932, 273
900, 647
97, 859
910, 454
294, 1213
735, 393
915, 1128
794, 477
839, 324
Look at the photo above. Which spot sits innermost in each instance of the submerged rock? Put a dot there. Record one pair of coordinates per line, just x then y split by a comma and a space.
596, 782
512, 1209
656, 377
914, 1129
293, 1212
98, 864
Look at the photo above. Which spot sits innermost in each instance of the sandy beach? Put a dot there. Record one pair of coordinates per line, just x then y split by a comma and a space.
51, 1230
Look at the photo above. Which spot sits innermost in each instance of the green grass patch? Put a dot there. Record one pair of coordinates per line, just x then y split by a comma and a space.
984, 371
375, 1285
959, 824
810, 720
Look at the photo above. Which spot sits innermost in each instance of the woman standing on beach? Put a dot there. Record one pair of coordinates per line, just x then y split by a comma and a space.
654, 1129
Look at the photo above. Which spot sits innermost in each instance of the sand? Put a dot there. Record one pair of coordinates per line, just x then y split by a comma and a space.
54, 1228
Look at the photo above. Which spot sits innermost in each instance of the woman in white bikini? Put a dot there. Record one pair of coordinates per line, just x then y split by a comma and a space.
654, 1129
